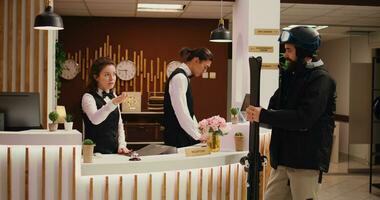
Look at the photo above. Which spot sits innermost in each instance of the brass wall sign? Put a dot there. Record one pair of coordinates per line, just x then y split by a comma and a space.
266, 31
269, 65
261, 49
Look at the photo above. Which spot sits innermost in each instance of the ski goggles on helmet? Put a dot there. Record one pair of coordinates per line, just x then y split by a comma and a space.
286, 37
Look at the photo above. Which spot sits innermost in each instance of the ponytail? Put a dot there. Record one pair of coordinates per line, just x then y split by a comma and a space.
187, 54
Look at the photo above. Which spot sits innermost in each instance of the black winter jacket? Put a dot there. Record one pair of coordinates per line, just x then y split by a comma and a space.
301, 115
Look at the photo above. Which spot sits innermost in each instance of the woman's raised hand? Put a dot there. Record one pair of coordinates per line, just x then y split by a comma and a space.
119, 99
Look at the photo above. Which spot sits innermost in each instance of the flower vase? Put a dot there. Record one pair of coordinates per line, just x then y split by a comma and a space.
213, 142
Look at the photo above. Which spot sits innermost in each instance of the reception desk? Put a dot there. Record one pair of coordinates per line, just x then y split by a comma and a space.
120, 164
47, 165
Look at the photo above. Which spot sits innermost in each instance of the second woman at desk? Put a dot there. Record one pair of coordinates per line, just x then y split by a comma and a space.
101, 113
181, 126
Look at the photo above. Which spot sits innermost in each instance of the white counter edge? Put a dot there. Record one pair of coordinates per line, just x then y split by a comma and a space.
41, 137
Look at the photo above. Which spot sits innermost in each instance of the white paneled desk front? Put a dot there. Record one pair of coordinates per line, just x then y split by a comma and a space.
42, 165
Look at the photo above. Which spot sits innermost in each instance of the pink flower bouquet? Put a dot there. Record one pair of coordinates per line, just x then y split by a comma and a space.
215, 124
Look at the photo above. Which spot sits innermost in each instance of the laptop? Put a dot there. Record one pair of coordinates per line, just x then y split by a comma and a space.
156, 149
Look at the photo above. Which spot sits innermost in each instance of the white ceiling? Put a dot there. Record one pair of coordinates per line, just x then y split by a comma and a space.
341, 19
128, 8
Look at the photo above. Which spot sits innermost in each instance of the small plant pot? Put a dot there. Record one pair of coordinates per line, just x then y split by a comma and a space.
53, 126
234, 119
88, 153
239, 143
68, 126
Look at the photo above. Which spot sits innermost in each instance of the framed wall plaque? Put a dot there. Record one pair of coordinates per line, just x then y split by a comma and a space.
266, 31
261, 49
132, 103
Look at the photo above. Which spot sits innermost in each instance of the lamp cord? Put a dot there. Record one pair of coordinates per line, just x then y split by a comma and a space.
221, 9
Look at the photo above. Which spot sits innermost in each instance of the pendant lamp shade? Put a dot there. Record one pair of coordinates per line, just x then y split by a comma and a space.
220, 34
48, 20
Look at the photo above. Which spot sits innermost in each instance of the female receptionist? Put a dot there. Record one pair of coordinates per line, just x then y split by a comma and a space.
181, 127
101, 112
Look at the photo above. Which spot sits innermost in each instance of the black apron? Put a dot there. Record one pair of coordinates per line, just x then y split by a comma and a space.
105, 134
174, 134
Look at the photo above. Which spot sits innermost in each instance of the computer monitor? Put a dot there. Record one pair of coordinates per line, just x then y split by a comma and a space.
244, 105
21, 110
246, 102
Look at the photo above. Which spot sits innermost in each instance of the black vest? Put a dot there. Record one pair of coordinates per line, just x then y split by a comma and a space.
105, 134
174, 134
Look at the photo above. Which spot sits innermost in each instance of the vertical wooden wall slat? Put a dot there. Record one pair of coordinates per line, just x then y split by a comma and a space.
45, 80
27, 44
73, 178
188, 190
106, 188
43, 173
210, 184
200, 185
91, 190
26, 173
36, 65
149, 192
120, 188
9, 174
18, 45
60, 162
2, 16
228, 183
163, 192
176, 186
236, 182
9, 63
243, 184
135, 188
219, 184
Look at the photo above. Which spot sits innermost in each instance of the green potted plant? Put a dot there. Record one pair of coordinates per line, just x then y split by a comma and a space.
69, 122
234, 117
53, 116
239, 141
88, 150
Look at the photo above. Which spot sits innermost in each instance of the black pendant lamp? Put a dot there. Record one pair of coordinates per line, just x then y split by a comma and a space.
221, 34
48, 20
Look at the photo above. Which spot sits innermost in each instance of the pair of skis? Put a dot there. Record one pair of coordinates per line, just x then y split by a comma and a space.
253, 162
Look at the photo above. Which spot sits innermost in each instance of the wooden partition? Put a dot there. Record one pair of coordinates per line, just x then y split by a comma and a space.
23, 50
151, 44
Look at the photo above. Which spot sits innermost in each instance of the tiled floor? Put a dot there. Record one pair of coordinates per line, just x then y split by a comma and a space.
343, 165
347, 187
339, 168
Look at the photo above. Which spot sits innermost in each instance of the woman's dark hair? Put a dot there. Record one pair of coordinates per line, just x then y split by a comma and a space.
96, 68
188, 54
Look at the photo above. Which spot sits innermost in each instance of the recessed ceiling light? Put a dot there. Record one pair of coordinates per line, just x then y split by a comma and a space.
312, 26
152, 7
